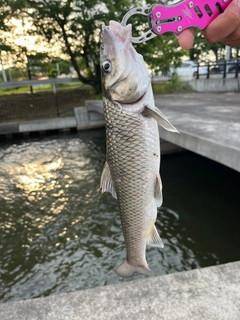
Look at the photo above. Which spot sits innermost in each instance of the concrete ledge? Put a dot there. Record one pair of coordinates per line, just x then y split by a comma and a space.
9, 128
169, 148
210, 149
91, 116
81, 116
47, 124
210, 293
95, 110
208, 124
88, 117
216, 85
95, 106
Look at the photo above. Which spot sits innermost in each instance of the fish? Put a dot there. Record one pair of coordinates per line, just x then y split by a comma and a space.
131, 172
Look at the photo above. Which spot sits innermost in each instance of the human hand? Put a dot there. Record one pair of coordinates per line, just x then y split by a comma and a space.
225, 28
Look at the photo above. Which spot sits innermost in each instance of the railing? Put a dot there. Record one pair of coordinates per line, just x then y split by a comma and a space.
222, 69
189, 70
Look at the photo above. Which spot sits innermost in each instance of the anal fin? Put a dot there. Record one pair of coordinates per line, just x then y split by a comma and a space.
158, 191
154, 238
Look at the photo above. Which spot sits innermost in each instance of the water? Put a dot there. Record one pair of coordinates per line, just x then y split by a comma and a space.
59, 234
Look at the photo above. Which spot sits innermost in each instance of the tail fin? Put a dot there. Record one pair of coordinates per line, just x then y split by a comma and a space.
126, 270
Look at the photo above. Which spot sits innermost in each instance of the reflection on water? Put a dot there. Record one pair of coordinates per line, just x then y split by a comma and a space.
59, 234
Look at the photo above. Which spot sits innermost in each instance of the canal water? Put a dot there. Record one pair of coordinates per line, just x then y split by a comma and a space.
59, 234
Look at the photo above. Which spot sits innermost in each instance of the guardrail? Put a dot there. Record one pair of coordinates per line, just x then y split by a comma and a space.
32, 83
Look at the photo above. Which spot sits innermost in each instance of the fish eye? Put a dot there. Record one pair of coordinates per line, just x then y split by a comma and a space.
107, 67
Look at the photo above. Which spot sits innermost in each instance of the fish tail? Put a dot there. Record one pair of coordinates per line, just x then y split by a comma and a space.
126, 270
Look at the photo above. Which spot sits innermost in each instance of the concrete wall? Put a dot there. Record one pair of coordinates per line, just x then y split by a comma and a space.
215, 85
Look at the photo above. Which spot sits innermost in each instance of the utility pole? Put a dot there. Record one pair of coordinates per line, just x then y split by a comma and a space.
228, 55
58, 70
3, 71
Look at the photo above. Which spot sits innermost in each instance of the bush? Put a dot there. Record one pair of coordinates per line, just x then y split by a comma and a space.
53, 73
173, 85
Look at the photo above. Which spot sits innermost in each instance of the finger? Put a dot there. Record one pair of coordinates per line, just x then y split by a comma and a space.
186, 38
233, 39
224, 24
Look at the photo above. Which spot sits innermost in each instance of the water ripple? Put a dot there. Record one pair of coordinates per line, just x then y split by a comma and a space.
59, 234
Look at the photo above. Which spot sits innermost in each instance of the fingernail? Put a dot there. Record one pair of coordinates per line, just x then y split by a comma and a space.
238, 3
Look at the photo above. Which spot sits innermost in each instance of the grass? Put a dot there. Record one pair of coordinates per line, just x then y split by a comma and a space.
40, 88
9, 91
174, 85
69, 85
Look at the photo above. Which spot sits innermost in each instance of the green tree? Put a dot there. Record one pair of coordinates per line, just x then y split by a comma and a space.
76, 25
8, 10
201, 47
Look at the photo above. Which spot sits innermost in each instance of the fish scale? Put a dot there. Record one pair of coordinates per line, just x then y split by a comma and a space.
131, 149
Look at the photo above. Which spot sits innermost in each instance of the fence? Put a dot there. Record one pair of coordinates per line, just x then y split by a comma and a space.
47, 104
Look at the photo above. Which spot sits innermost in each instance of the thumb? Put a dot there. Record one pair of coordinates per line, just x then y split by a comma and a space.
186, 38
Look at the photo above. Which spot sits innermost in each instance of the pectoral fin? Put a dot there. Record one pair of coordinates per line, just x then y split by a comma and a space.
155, 113
158, 191
107, 183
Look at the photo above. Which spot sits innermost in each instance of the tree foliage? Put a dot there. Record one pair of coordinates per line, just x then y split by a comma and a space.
76, 26
201, 47
8, 10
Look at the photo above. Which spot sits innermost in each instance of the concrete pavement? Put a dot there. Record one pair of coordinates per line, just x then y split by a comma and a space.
209, 124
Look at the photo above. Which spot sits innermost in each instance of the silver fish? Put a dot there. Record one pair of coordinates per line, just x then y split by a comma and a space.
131, 172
